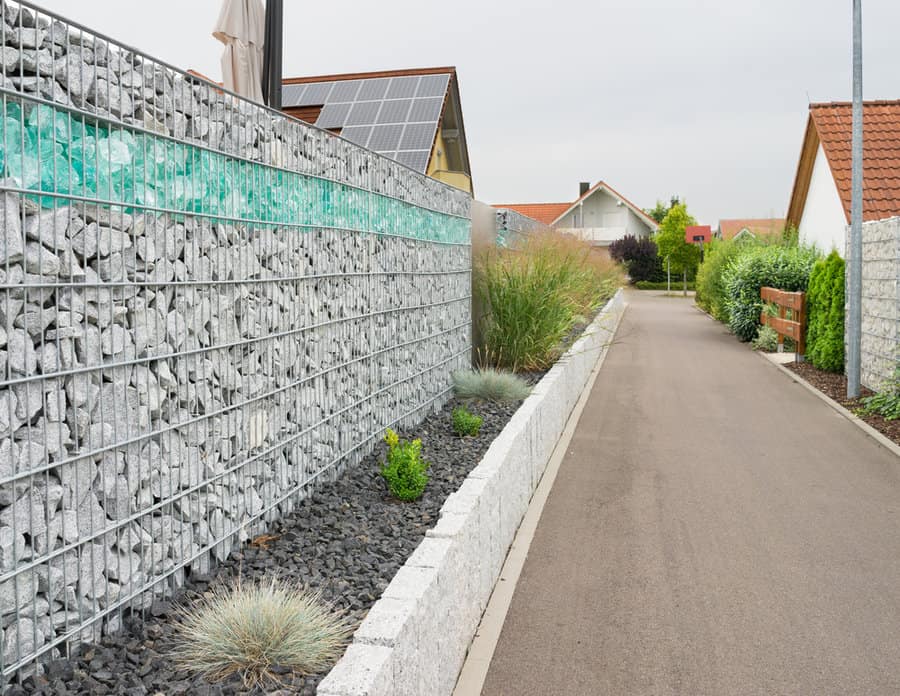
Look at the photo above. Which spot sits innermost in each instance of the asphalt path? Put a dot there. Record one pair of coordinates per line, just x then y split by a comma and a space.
714, 529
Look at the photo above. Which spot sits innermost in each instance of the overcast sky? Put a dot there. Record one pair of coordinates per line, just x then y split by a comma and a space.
703, 99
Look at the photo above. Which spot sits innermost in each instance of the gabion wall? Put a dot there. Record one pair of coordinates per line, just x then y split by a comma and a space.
513, 227
205, 307
880, 349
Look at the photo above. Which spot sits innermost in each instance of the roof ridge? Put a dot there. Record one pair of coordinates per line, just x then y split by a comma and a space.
866, 102
372, 74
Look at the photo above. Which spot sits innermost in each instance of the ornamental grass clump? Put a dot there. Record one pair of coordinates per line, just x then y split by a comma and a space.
466, 423
530, 296
254, 628
405, 472
489, 384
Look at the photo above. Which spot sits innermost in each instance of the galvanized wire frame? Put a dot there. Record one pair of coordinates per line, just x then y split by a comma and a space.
205, 306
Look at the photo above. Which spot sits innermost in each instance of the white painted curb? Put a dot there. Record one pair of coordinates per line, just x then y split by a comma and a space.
414, 639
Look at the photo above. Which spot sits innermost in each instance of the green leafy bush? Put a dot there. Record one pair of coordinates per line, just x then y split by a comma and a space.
766, 340
677, 284
405, 471
825, 314
711, 294
887, 401
465, 422
785, 268
255, 630
531, 296
490, 385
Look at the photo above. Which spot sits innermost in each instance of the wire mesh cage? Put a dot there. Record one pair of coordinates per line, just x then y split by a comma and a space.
205, 306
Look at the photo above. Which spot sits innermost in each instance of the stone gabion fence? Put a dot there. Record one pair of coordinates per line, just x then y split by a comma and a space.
205, 307
880, 349
513, 228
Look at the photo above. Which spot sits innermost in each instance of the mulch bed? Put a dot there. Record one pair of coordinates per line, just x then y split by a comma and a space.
835, 386
347, 540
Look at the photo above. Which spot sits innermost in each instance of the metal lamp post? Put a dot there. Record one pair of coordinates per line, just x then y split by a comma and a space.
854, 269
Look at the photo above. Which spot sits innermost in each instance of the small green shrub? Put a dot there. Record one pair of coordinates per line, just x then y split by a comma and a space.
766, 340
466, 422
825, 314
785, 268
490, 385
404, 471
887, 401
254, 628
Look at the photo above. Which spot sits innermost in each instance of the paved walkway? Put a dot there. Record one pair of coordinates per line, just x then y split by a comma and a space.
714, 529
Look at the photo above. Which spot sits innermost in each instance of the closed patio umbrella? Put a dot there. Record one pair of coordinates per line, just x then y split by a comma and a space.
241, 27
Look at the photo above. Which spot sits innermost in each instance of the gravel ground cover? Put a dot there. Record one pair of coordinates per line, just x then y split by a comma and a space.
347, 540
835, 386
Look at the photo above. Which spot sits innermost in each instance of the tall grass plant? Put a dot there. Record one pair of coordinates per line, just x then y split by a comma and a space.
532, 296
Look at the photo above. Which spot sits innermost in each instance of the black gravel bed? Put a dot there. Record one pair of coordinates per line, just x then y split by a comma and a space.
347, 540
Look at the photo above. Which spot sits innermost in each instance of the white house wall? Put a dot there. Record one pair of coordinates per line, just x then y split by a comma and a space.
600, 211
823, 222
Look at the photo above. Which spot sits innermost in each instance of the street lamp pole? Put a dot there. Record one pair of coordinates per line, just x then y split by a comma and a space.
854, 270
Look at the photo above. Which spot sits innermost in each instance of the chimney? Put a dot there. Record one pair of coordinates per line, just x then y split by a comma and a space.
583, 188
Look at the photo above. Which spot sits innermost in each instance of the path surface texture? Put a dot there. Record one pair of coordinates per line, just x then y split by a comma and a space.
714, 529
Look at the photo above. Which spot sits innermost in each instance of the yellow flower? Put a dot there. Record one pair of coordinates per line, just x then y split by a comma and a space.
390, 437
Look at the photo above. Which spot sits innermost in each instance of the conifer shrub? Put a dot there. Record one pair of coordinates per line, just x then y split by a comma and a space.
825, 314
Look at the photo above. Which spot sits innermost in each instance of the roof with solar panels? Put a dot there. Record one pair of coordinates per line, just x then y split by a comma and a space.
412, 116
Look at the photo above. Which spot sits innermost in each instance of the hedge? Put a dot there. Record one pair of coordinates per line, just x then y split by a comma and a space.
677, 284
785, 268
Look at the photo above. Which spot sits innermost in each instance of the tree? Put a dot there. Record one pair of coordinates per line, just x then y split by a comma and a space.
682, 257
661, 210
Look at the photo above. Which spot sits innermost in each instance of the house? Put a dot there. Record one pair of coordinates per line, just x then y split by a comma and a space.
697, 234
755, 228
820, 201
411, 116
600, 215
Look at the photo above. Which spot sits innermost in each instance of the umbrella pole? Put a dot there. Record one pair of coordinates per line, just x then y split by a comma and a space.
272, 53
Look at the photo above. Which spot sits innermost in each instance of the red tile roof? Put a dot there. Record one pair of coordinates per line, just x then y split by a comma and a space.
759, 227
830, 124
691, 232
542, 212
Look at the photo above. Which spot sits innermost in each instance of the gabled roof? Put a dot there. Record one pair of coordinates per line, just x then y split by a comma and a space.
758, 227
542, 212
603, 186
830, 125
393, 112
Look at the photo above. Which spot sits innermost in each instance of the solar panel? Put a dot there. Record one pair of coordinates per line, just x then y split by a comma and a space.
418, 136
403, 87
291, 94
417, 159
426, 110
394, 111
363, 112
385, 137
433, 86
358, 135
395, 116
316, 93
345, 91
373, 89
333, 115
